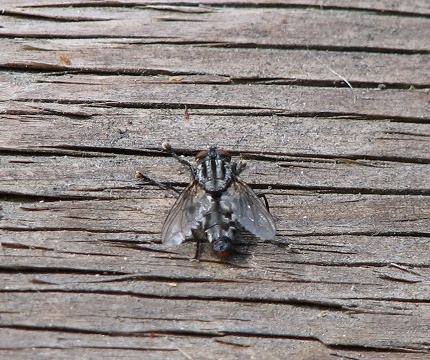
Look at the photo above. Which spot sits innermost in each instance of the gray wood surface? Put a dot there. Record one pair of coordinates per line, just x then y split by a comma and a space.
90, 90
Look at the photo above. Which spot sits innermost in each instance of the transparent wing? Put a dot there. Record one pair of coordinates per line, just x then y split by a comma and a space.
185, 215
249, 210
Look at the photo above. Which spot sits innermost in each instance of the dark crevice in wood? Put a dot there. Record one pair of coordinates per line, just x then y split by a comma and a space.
320, 83
64, 329
267, 112
120, 276
271, 156
73, 229
136, 245
391, 299
383, 349
151, 152
358, 160
322, 48
44, 111
89, 347
37, 198
150, 333
362, 233
167, 279
243, 111
301, 303
15, 246
231, 45
217, 334
57, 270
342, 264
354, 116
52, 69
322, 7
52, 151
343, 190
54, 18
147, 105
240, 110
58, 70
12, 196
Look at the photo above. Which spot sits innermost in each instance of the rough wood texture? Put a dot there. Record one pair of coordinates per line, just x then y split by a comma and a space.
89, 90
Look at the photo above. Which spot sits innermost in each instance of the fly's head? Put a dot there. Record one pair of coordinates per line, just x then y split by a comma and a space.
214, 170
222, 247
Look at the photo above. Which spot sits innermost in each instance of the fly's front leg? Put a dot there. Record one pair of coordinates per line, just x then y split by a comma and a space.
239, 167
168, 148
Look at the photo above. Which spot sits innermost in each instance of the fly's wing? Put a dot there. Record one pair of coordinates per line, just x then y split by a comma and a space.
185, 215
249, 210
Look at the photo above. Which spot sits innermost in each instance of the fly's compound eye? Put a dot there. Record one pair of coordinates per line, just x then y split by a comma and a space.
222, 247
201, 154
225, 155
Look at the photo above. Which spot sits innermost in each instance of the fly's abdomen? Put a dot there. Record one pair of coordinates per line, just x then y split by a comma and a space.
217, 222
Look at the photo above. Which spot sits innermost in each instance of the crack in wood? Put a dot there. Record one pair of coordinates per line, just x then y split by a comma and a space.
244, 299
22, 269
61, 70
380, 349
424, 348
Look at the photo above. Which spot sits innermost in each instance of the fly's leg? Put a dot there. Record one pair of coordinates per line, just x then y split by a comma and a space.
238, 167
266, 203
168, 148
147, 179
198, 248
196, 236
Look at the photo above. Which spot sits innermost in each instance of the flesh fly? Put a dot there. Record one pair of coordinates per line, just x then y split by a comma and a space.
215, 205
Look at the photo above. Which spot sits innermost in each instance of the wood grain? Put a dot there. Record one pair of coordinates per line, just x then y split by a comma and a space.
327, 103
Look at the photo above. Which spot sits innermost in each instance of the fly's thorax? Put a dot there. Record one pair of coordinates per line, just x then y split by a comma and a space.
214, 170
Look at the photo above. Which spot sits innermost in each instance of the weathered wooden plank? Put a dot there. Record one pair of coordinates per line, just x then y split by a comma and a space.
281, 99
86, 175
82, 270
148, 315
296, 215
268, 65
404, 7
103, 250
180, 347
336, 270
156, 346
275, 27
85, 127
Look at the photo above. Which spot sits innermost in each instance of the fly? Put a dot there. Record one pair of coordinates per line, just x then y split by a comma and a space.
215, 204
